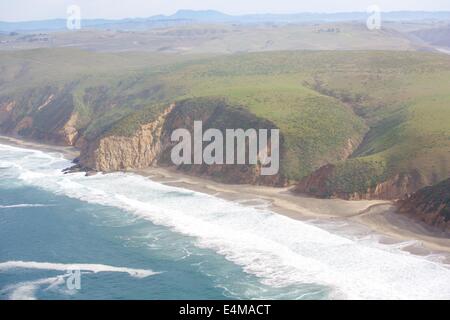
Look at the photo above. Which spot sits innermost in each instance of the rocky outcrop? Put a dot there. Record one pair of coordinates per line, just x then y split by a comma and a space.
430, 205
113, 153
70, 132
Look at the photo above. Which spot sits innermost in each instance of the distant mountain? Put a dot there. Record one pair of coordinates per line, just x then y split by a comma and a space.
201, 16
211, 16
347, 16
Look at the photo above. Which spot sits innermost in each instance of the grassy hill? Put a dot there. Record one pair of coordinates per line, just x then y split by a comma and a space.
388, 111
406, 102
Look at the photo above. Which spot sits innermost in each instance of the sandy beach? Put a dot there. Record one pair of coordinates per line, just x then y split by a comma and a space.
68, 152
376, 217
367, 216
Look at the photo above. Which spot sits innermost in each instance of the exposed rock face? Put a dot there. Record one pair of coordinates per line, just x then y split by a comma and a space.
219, 115
430, 205
319, 184
394, 188
6, 114
43, 114
352, 145
152, 144
113, 153
70, 131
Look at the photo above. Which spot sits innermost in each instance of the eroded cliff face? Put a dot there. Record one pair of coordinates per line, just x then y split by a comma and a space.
69, 131
430, 205
46, 115
114, 153
218, 114
151, 144
8, 122
49, 116
394, 188
320, 184
316, 184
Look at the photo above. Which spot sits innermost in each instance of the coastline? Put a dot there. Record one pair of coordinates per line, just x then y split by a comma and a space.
370, 217
68, 152
375, 217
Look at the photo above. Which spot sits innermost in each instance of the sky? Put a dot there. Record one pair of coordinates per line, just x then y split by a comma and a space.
23, 10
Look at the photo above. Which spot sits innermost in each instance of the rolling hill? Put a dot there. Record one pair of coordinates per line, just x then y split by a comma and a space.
215, 17
223, 38
354, 124
439, 37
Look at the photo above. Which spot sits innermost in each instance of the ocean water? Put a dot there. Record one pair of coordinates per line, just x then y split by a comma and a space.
133, 238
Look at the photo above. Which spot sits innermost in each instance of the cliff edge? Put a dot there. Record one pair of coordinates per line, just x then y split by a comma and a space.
430, 205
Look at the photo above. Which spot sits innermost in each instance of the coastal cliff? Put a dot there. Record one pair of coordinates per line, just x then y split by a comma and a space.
345, 130
327, 182
114, 153
430, 205
39, 116
150, 143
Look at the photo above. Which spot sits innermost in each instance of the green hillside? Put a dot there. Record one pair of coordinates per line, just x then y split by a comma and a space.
324, 102
405, 99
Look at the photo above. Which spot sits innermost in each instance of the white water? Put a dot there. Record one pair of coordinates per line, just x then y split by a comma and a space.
138, 273
280, 250
23, 205
26, 290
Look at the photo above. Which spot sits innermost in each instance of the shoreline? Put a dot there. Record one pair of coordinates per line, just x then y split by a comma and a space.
376, 217
69, 152
371, 217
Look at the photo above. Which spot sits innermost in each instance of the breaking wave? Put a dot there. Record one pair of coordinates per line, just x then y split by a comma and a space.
279, 250
27, 290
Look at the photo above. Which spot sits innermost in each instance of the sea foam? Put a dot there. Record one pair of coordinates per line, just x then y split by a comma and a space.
27, 290
23, 205
95, 268
279, 250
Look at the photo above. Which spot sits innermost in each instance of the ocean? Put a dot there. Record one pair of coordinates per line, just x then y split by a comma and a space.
124, 236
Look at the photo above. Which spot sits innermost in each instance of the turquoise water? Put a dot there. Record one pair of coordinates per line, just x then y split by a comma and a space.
37, 225
132, 238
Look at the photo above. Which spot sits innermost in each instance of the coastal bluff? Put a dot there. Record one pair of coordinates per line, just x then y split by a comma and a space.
430, 205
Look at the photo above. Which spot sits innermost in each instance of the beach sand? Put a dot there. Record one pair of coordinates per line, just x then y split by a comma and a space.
375, 217
68, 152
368, 216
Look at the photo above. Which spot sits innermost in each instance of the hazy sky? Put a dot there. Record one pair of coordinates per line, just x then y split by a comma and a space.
19, 10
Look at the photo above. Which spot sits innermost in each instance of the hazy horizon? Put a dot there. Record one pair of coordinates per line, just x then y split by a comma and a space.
19, 10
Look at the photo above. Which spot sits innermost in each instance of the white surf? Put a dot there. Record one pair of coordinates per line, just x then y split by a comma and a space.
279, 250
